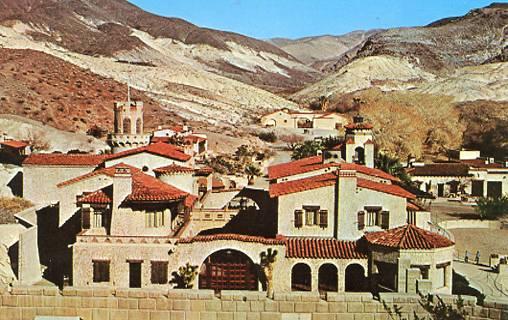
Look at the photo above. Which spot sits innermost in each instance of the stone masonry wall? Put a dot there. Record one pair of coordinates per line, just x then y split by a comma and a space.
107, 304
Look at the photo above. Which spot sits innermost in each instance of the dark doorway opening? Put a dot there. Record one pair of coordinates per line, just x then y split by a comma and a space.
494, 189
477, 188
355, 278
228, 270
134, 274
328, 278
301, 278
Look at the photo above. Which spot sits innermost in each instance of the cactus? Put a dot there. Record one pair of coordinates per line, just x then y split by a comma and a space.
184, 277
268, 258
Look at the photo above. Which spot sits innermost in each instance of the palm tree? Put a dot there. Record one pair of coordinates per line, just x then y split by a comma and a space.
392, 166
252, 172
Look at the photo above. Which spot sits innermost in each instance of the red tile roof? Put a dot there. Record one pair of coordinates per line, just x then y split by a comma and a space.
360, 126
193, 139
414, 207
369, 142
450, 169
316, 163
160, 139
190, 200
16, 144
174, 168
235, 237
350, 141
323, 248
408, 237
392, 189
110, 172
102, 196
59, 159
314, 182
148, 188
479, 163
217, 183
159, 148
204, 171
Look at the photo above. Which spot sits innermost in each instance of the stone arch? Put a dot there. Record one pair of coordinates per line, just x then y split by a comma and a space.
228, 269
360, 155
301, 277
126, 125
355, 279
328, 277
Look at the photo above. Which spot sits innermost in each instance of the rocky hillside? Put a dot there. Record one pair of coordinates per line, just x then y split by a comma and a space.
116, 28
322, 51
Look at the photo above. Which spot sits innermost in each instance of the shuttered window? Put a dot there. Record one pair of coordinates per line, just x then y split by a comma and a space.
361, 220
85, 218
100, 271
385, 219
298, 218
323, 218
159, 272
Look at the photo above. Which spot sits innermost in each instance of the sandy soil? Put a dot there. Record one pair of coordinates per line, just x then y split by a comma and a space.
487, 241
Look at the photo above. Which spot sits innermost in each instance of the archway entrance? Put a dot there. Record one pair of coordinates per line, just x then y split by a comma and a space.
301, 278
327, 278
360, 155
355, 278
228, 270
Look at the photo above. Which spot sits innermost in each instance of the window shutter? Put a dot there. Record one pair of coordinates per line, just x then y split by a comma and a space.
85, 218
385, 219
323, 218
159, 272
298, 218
361, 220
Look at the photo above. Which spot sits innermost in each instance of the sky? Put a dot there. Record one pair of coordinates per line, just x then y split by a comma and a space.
264, 19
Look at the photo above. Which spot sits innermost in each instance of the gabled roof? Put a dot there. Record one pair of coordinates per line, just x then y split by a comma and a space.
60, 159
236, 237
16, 144
314, 182
392, 189
408, 237
316, 163
323, 248
204, 171
453, 169
110, 172
102, 196
159, 148
173, 168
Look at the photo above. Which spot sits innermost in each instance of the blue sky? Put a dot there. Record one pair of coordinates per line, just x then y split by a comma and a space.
298, 18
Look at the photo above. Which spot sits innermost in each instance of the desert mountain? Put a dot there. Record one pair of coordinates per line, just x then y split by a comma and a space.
320, 51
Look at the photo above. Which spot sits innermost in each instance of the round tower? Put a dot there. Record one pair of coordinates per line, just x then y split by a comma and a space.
128, 127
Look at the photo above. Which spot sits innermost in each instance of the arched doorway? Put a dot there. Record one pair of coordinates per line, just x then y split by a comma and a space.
126, 129
301, 279
327, 278
228, 270
360, 155
355, 278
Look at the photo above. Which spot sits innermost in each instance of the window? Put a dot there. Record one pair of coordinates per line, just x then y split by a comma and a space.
154, 219
85, 218
309, 217
159, 272
298, 218
100, 271
385, 219
99, 218
361, 220
323, 218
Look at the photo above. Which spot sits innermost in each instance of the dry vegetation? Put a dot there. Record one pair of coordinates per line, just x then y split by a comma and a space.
407, 122
9, 206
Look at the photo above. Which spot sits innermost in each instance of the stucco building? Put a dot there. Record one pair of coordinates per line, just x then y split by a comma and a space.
285, 118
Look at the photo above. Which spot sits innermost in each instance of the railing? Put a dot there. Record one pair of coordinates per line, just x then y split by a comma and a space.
442, 231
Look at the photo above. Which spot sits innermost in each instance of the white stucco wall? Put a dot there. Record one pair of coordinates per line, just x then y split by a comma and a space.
182, 181
152, 161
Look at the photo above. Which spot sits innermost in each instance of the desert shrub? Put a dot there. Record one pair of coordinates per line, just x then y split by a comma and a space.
96, 131
306, 149
492, 208
292, 140
10, 206
268, 136
184, 277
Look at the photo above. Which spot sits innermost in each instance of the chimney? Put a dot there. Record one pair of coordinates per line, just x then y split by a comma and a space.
491, 160
122, 185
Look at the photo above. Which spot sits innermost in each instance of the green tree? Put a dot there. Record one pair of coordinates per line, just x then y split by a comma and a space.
308, 148
184, 277
331, 142
492, 208
392, 166
252, 171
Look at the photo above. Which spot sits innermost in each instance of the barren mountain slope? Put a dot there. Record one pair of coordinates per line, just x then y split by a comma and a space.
116, 28
38, 86
316, 51
473, 39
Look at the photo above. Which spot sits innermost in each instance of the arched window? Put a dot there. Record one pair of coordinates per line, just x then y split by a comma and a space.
355, 278
139, 126
127, 126
359, 155
301, 277
328, 278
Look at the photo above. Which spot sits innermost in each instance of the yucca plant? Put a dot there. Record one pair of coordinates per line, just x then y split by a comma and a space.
184, 277
268, 259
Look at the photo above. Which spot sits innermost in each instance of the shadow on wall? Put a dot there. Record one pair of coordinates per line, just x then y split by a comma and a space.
54, 241
461, 287
16, 184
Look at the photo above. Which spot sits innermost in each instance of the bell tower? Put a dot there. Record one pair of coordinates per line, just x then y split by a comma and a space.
359, 142
128, 127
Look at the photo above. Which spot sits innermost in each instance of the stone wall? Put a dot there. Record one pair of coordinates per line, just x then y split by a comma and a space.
27, 302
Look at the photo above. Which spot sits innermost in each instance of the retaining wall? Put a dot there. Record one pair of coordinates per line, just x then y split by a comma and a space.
107, 304
470, 224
